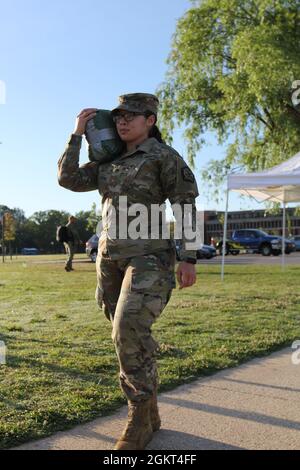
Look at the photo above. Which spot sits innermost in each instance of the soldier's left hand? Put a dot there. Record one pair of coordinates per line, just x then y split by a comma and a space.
186, 274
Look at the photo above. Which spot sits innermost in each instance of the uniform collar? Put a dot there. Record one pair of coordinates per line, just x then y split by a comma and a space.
145, 146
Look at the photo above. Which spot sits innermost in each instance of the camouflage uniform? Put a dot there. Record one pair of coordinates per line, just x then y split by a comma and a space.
71, 245
135, 278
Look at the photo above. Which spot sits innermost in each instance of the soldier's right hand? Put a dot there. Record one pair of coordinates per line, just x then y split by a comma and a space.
82, 118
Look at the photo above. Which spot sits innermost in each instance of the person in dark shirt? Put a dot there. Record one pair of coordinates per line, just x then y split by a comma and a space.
72, 245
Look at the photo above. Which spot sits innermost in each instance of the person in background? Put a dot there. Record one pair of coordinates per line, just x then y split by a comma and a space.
72, 245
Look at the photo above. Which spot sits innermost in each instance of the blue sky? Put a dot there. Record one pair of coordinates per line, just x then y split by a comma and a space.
62, 56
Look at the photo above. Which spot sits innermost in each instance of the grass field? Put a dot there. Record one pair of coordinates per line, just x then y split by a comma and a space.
61, 365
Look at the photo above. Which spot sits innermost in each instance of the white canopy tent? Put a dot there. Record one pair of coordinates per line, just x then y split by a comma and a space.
279, 184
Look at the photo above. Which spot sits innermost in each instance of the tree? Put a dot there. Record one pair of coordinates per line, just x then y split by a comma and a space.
231, 71
9, 226
86, 223
39, 230
43, 228
93, 218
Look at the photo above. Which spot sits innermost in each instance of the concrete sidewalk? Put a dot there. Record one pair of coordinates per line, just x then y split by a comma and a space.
254, 406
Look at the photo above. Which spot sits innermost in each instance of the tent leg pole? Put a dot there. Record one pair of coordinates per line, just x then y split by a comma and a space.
224, 236
283, 239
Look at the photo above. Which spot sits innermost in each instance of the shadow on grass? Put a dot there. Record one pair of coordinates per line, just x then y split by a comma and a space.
89, 375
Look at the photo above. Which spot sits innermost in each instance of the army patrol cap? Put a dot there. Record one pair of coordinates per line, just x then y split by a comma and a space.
138, 103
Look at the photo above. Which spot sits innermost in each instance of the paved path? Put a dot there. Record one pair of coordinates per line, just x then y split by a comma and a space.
254, 406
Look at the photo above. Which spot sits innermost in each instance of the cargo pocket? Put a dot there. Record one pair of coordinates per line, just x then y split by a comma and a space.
156, 303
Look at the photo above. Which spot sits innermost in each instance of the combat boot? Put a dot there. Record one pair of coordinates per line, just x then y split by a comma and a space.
138, 431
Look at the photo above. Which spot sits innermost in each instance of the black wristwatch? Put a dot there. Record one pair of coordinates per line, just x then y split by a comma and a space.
189, 260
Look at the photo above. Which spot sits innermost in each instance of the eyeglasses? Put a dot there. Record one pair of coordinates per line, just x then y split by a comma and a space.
127, 116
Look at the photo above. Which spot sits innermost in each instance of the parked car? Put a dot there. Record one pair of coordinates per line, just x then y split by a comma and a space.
259, 241
296, 241
91, 247
204, 252
231, 248
29, 251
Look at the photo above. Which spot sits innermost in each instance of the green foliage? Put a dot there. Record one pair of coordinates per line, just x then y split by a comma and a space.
9, 222
230, 72
39, 230
93, 218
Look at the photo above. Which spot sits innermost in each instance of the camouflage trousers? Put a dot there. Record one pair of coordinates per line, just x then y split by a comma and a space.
70, 250
133, 292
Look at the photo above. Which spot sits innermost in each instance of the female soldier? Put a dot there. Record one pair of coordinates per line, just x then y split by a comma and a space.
135, 276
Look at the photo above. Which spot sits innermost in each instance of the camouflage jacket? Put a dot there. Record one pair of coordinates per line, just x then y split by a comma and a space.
150, 174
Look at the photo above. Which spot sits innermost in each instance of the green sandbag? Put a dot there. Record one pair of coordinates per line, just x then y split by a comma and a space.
104, 143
